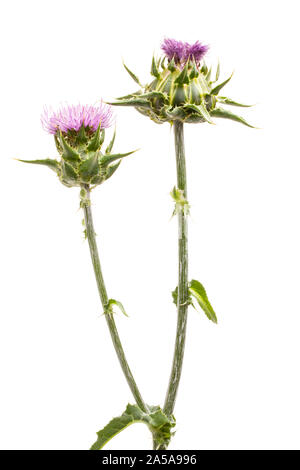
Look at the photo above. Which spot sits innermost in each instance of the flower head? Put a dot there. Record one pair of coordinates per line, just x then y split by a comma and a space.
174, 50
182, 88
72, 117
181, 52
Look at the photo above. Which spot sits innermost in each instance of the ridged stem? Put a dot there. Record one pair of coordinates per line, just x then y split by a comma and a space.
182, 301
90, 233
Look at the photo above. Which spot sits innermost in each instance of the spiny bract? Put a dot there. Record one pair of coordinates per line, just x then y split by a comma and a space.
79, 133
182, 88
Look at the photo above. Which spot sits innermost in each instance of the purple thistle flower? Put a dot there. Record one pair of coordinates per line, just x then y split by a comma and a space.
181, 52
173, 49
71, 117
196, 51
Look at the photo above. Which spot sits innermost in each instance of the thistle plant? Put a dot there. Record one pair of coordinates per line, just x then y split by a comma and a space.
79, 133
181, 91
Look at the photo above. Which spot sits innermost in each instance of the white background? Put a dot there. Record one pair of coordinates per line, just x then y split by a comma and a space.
60, 379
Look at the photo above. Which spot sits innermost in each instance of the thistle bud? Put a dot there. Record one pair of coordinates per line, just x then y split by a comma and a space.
182, 88
79, 133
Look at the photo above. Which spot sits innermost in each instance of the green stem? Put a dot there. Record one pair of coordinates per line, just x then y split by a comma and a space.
182, 302
90, 233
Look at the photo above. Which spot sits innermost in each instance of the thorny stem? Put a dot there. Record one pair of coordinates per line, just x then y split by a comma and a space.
90, 233
182, 301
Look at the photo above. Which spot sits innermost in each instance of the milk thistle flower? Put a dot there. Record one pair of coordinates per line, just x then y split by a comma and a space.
181, 91
79, 133
182, 88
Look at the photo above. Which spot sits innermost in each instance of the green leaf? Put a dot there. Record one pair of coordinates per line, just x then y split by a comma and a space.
89, 167
197, 290
183, 76
224, 100
217, 72
111, 169
175, 295
223, 113
154, 69
200, 109
106, 159
133, 76
156, 420
218, 88
118, 304
69, 153
111, 143
139, 102
52, 164
97, 139
155, 94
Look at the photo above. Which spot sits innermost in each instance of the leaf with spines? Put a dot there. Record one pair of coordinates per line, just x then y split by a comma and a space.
224, 100
197, 291
111, 143
50, 163
97, 139
107, 159
133, 76
200, 109
89, 167
225, 114
111, 169
155, 94
217, 72
69, 153
138, 102
219, 87
81, 137
154, 69
172, 65
156, 420
183, 76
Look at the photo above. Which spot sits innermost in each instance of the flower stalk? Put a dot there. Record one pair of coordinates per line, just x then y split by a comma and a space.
183, 295
90, 234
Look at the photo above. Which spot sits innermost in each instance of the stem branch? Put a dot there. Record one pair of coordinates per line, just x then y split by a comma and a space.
182, 301
90, 233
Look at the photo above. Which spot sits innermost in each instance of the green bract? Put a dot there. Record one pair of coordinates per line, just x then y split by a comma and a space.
180, 93
82, 161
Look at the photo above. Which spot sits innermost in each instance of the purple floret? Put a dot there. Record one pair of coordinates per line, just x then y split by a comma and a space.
196, 51
71, 117
183, 51
173, 49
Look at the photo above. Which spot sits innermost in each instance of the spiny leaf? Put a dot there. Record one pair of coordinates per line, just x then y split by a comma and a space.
216, 90
81, 137
197, 290
140, 102
111, 143
106, 159
217, 72
89, 167
224, 113
183, 76
111, 169
68, 152
97, 139
224, 100
154, 94
118, 304
133, 76
156, 420
52, 164
132, 95
200, 109
154, 69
